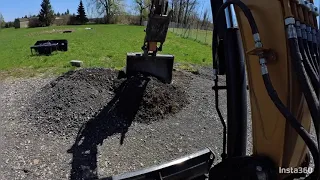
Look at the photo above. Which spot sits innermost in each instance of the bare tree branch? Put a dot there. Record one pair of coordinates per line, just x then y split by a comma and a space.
141, 7
108, 7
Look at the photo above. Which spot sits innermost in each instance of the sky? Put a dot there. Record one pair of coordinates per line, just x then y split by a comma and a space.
11, 9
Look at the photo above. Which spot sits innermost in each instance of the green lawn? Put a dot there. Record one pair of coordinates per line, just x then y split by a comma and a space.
103, 46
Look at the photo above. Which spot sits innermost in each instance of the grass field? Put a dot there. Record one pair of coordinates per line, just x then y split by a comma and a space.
103, 46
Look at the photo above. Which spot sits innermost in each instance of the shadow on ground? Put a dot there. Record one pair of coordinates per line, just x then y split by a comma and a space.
116, 117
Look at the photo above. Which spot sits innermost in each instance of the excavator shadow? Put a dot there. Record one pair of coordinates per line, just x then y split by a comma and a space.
115, 118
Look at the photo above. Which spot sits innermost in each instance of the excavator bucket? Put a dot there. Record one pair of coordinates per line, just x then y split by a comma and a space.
159, 66
150, 62
192, 167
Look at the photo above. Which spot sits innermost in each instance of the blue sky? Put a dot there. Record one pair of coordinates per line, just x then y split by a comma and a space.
12, 9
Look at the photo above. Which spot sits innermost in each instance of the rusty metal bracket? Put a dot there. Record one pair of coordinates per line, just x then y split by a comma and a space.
269, 54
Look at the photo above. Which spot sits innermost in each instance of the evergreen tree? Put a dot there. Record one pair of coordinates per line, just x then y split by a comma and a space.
46, 15
2, 22
82, 17
68, 12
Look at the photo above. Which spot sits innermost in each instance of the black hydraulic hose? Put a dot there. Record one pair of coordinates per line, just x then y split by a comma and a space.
307, 50
310, 95
245, 10
309, 69
316, 52
293, 122
313, 55
308, 91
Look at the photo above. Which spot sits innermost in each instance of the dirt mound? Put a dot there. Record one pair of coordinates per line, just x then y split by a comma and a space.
71, 100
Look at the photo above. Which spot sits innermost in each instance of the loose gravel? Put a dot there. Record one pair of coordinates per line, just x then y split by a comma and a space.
105, 144
66, 103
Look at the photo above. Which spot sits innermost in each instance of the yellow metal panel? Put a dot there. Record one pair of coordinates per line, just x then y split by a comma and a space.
272, 135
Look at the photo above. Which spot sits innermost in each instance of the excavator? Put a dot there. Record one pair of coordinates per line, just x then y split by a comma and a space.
267, 50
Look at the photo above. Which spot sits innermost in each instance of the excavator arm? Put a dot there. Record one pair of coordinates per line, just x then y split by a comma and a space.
150, 62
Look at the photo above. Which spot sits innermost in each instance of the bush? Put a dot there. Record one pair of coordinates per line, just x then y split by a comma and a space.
34, 22
125, 19
62, 20
9, 25
121, 19
134, 20
73, 20
98, 21
117, 19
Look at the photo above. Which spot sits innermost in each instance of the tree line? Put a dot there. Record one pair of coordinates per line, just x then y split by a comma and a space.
55, 14
185, 12
47, 16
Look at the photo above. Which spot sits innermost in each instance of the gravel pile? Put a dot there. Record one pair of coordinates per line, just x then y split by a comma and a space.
71, 100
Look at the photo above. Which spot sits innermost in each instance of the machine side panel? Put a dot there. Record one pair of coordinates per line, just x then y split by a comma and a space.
272, 136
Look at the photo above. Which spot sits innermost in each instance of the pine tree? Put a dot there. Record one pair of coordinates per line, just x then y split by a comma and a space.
82, 17
68, 12
46, 15
2, 22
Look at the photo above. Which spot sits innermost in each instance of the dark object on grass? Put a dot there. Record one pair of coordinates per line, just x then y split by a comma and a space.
68, 31
46, 47
76, 63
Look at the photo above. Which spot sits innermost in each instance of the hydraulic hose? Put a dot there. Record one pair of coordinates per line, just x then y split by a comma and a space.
310, 47
245, 10
303, 69
297, 59
316, 53
313, 55
296, 55
293, 122
309, 55
308, 67
247, 13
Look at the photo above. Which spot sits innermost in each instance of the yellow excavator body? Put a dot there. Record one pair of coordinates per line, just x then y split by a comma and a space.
272, 135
